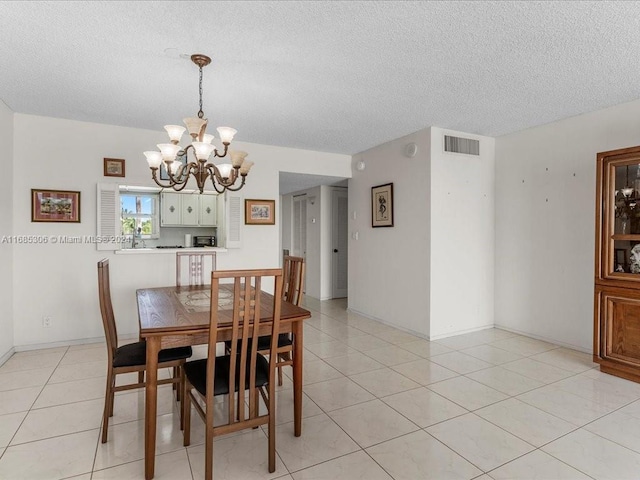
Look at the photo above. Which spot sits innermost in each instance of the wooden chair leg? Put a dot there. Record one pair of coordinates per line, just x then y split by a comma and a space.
108, 407
208, 451
177, 374
186, 414
271, 430
279, 375
180, 393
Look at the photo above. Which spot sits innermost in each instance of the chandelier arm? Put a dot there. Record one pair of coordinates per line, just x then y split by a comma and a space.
179, 185
154, 175
235, 189
214, 174
224, 154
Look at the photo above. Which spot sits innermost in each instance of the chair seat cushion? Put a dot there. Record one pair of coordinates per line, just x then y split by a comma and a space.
196, 372
134, 354
264, 343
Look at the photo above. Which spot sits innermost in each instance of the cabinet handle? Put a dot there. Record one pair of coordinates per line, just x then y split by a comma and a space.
172, 209
208, 210
189, 209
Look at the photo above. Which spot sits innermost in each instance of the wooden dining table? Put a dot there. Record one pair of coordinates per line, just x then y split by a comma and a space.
179, 316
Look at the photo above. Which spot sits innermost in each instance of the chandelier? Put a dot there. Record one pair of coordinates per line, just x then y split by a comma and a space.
223, 175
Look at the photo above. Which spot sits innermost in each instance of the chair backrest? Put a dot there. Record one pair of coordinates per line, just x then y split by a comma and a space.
249, 320
106, 308
293, 279
195, 268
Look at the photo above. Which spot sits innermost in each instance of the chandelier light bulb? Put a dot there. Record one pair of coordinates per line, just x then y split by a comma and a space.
175, 132
169, 151
226, 134
237, 157
154, 159
225, 170
246, 166
202, 149
174, 167
194, 125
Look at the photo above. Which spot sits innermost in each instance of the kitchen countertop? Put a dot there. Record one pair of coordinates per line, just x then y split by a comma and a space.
155, 251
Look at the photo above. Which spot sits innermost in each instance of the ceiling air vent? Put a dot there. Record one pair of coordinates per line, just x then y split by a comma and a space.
467, 146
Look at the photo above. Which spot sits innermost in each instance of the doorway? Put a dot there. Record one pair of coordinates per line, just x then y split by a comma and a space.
339, 240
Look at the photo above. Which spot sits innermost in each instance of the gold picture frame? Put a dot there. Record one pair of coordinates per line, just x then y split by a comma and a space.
259, 212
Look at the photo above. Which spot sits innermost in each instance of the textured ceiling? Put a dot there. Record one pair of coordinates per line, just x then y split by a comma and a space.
327, 76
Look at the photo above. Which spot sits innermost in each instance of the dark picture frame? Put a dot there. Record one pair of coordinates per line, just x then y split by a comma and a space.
259, 212
113, 167
382, 205
55, 206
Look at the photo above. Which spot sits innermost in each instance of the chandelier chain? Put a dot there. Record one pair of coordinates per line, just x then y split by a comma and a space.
200, 112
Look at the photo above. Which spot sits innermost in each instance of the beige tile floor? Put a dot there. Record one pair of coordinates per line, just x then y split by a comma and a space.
378, 404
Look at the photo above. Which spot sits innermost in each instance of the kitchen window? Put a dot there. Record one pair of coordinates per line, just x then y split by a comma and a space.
139, 214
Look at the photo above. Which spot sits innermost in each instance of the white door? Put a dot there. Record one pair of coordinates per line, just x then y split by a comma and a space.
339, 242
299, 243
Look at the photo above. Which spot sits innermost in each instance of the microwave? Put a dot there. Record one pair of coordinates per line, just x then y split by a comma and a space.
204, 241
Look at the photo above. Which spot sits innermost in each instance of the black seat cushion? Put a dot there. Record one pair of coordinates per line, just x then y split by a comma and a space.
264, 343
196, 372
134, 354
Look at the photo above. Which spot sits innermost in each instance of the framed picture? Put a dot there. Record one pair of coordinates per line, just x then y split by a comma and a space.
259, 212
382, 205
55, 206
113, 167
163, 169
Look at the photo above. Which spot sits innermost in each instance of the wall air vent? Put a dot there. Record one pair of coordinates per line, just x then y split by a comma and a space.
467, 146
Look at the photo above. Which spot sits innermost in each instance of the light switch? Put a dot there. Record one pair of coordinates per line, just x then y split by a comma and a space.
354, 215
355, 235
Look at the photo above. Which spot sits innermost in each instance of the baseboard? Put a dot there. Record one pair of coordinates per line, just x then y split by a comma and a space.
7, 356
546, 339
460, 332
379, 320
67, 343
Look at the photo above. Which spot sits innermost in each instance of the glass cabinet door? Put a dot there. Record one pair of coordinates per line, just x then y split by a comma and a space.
624, 217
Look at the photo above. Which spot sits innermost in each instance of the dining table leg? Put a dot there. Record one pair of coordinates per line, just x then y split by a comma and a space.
298, 345
151, 406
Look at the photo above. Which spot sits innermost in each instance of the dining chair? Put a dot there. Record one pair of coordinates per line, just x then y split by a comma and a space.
292, 292
243, 369
130, 357
196, 265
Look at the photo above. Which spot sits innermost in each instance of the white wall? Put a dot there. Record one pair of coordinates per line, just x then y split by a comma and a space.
6, 229
462, 237
545, 210
389, 267
60, 280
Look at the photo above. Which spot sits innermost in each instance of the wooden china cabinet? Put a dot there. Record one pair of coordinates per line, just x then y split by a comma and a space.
616, 332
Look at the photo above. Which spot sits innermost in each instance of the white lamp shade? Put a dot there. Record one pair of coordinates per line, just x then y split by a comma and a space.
175, 132
168, 150
154, 159
246, 166
226, 134
202, 149
194, 125
225, 169
207, 138
174, 167
237, 157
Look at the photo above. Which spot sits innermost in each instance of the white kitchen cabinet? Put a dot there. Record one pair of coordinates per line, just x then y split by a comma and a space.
188, 210
208, 210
